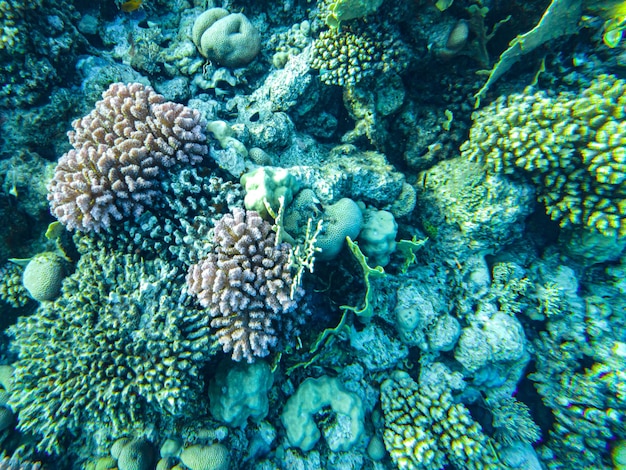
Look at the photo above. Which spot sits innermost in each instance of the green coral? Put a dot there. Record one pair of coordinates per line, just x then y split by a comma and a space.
11, 289
347, 56
572, 147
117, 352
344, 10
425, 429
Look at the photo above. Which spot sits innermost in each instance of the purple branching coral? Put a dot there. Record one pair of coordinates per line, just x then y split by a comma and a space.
120, 151
246, 284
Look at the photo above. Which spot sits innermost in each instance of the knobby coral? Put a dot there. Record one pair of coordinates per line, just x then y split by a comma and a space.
120, 151
425, 429
246, 284
570, 146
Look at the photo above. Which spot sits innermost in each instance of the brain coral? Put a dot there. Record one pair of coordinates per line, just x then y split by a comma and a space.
245, 283
120, 152
228, 39
571, 146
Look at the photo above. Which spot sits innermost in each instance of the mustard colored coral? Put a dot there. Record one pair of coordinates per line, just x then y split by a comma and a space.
571, 146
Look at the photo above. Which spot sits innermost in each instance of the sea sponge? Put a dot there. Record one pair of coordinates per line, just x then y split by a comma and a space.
228, 39
43, 276
200, 457
340, 220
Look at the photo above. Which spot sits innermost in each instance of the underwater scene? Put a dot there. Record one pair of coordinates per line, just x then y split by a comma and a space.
312, 234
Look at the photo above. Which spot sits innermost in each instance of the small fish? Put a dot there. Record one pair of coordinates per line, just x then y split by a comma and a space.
131, 5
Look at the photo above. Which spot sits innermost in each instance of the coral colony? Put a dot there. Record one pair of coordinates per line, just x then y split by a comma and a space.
312, 234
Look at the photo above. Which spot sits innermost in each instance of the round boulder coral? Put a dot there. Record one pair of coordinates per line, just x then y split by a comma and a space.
199, 457
341, 219
43, 276
227, 39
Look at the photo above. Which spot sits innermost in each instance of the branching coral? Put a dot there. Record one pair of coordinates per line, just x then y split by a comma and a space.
121, 149
570, 146
116, 352
246, 285
425, 429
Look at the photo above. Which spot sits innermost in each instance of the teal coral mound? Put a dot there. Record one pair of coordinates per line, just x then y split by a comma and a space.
425, 429
571, 146
309, 399
118, 353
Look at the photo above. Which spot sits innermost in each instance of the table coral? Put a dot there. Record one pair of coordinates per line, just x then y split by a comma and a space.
121, 150
570, 146
246, 284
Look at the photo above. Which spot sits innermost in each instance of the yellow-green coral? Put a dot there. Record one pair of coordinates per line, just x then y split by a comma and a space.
344, 10
11, 289
571, 146
347, 56
425, 429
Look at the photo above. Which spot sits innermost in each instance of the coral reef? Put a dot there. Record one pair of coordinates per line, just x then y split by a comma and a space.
424, 428
245, 283
570, 147
121, 149
113, 353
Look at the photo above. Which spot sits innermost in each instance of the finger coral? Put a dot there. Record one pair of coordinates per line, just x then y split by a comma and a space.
425, 429
120, 151
570, 146
245, 283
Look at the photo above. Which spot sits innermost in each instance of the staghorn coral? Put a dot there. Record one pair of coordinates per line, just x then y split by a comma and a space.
245, 283
570, 146
117, 352
424, 428
120, 151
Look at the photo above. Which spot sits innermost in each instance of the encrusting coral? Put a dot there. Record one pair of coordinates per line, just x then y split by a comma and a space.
120, 151
570, 146
246, 285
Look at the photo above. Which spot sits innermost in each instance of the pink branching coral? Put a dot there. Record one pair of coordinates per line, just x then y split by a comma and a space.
120, 151
245, 283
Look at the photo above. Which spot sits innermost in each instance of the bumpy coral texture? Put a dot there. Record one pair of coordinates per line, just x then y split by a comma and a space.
116, 353
570, 146
425, 429
121, 150
245, 283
